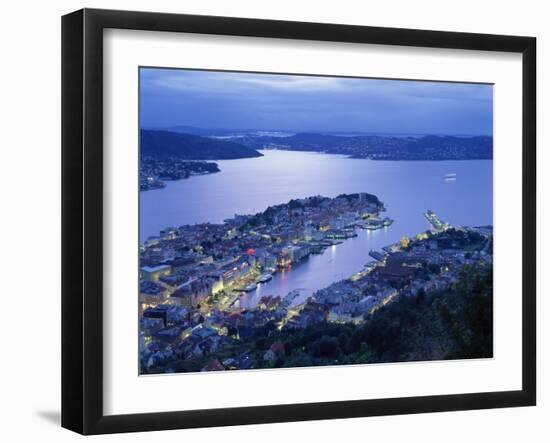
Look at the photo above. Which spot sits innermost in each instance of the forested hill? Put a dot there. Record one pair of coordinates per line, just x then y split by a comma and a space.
377, 147
166, 144
455, 323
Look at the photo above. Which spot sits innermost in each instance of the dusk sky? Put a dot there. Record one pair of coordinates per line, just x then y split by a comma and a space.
223, 100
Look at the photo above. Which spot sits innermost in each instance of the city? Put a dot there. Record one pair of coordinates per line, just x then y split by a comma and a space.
291, 220
193, 277
154, 172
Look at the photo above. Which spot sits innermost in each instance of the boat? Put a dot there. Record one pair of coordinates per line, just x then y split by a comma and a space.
450, 177
374, 224
251, 287
264, 278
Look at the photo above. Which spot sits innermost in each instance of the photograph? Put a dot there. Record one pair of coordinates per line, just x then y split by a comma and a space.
300, 220
250, 221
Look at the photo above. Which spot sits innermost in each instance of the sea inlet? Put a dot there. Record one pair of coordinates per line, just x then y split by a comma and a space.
246, 186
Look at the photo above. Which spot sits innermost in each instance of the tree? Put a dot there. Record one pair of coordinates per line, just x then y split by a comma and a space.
326, 347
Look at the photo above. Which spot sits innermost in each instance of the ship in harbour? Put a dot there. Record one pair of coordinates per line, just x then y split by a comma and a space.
435, 221
264, 278
373, 223
251, 287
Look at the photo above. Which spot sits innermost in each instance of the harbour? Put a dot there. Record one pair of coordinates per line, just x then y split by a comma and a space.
246, 186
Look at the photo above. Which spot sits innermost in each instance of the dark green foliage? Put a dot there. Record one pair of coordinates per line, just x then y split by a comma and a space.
326, 347
450, 324
295, 204
368, 197
455, 323
459, 239
165, 144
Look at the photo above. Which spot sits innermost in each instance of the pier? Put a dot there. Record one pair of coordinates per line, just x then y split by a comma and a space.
438, 225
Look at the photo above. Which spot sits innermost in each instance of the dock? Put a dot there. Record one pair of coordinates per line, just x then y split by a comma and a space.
437, 224
377, 255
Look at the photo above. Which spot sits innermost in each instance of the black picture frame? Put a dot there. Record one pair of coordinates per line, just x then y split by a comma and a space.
82, 219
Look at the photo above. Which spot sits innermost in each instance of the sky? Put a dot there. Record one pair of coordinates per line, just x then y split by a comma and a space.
295, 103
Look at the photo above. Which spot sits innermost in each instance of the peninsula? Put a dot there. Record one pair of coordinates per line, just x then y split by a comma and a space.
193, 276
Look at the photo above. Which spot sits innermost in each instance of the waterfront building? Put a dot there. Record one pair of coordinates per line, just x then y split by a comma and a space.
194, 291
217, 283
405, 241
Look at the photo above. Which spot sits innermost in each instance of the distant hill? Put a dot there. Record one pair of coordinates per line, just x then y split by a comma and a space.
193, 130
166, 144
378, 147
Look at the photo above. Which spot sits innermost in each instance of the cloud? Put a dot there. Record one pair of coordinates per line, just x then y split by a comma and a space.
301, 103
224, 82
292, 83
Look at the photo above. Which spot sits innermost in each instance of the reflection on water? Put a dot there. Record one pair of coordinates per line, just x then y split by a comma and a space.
319, 271
408, 189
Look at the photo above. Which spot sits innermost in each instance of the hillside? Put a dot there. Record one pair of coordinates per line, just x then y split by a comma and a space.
166, 144
455, 323
377, 147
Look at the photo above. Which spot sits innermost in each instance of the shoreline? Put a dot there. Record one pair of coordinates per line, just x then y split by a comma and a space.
166, 182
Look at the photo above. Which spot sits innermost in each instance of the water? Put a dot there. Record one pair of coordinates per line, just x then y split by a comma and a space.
245, 186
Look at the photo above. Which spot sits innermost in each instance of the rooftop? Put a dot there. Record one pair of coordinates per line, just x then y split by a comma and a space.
155, 268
